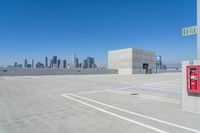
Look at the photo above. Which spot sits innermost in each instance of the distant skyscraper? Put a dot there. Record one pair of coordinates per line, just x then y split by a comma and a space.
55, 65
59, 63
18, 65
90, 62
64, 64
54, 59
32, 65
39, 65
74, 61
25, 63
69, 66
51, 63
84, 63
77, 64
15, 65
46, 62
80, 65
29, 65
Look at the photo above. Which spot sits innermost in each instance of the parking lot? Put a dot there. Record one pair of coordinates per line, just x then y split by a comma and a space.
94, 104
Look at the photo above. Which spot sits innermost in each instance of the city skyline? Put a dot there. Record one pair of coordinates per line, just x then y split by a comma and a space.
88, 29
56, 62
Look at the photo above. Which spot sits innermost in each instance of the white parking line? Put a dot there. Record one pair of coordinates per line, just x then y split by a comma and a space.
147, 96
154, 83
118, 116
178, 91
139, 115
158, 99
165, 84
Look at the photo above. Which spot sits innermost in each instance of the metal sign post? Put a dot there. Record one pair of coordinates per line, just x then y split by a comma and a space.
194, 30
198, 29
191, 99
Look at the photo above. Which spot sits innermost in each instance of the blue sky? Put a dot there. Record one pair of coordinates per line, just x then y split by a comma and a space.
38, 28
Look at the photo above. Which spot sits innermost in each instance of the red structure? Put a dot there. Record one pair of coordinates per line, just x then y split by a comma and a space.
193, 79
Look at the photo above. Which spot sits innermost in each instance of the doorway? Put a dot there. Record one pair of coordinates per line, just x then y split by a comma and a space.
146, 67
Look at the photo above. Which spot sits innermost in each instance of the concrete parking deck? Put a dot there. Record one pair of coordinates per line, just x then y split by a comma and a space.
94, 104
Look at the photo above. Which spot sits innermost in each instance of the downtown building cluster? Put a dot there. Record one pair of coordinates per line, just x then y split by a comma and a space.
54, 62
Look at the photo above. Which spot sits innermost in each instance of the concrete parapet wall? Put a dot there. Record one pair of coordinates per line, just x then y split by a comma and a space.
139, 71
51, 71
190, 103
169, 71
131, 71
125, 71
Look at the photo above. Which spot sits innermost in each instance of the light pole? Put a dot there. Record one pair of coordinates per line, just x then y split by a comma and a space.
198, 29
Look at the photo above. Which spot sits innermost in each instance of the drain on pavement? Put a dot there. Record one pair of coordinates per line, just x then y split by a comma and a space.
134, 94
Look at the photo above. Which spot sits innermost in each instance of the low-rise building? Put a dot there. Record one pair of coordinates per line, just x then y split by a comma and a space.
132, 61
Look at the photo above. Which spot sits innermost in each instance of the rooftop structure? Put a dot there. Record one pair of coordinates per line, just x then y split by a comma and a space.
132, 61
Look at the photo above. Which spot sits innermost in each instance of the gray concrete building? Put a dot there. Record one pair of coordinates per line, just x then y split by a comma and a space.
132, 61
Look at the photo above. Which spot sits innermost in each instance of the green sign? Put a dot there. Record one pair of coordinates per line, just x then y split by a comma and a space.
188, 31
